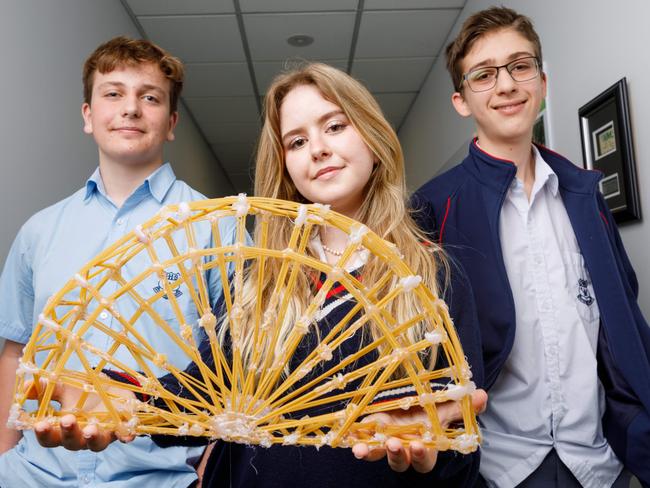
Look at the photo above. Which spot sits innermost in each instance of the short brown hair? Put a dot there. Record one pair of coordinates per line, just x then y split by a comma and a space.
123, 51
480, 24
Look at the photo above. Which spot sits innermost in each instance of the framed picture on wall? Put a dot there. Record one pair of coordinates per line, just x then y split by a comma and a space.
606, 136
541, 131
542, 128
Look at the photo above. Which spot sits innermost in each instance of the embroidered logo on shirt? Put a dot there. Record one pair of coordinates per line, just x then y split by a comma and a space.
171, 277
583, 294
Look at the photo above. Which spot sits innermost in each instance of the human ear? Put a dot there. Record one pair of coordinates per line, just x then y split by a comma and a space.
173, 120
459, 103
85, 114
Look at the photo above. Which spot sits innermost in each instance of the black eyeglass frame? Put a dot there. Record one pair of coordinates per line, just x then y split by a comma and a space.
498, 68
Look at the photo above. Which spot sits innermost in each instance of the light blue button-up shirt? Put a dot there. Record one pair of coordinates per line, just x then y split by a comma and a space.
53, 245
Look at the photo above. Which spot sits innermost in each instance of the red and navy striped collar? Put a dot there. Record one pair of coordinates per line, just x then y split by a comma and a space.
337, 290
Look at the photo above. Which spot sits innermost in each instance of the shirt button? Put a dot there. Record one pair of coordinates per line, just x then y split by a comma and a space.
120, 221
103, 315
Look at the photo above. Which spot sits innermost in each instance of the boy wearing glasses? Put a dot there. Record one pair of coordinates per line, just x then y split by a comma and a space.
566, 348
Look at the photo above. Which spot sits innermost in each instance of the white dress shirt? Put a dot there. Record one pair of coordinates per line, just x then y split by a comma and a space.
548, 395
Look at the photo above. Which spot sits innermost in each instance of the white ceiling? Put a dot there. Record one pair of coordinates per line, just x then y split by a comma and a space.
233, 48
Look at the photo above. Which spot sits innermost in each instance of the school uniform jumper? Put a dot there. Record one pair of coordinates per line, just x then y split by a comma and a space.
239, 465
461, 209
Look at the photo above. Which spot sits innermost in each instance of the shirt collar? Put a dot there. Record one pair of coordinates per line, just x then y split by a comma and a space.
544, 174
160, 181
491, 171
497, 174
355, 262
94, 184
157, 183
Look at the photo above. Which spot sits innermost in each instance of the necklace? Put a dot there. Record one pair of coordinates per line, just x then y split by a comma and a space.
331, 251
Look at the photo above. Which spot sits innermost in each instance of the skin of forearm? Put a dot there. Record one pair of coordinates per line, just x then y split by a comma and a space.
200, 469
9, 357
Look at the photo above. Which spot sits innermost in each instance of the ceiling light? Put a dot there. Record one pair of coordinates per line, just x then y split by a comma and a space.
300, 40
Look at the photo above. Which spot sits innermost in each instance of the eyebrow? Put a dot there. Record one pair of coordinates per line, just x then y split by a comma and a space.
320, 120
143, 88
492, 62
152, 88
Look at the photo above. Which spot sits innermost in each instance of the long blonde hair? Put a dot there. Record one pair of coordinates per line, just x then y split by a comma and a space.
384, 209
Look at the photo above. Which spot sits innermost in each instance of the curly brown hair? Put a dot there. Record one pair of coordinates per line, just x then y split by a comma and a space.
124, 51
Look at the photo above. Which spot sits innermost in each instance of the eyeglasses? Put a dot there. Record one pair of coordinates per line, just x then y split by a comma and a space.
485, 78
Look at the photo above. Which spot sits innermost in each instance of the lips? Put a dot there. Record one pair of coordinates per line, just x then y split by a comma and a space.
510, 107
127, 130
326, 173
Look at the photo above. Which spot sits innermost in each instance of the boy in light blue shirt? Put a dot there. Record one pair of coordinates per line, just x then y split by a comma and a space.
131, 91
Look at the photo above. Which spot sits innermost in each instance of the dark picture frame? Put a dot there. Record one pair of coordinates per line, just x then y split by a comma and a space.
606, 135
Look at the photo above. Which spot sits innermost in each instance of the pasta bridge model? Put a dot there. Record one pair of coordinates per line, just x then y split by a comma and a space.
277, 346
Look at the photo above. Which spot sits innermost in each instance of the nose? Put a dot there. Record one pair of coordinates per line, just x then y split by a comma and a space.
131, 106
505, 82
319, 148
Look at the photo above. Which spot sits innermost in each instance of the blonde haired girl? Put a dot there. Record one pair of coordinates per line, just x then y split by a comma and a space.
325, 140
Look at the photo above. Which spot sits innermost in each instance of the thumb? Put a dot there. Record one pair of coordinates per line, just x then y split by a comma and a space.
479, 401
450, 412
34, 390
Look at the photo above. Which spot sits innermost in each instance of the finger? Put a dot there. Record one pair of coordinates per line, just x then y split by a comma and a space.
58, 393
398, 457
362, 451
479, 401
452, 411
30, 390
35, 391
97, 439
71, 436
379, 418
46, 434
449, 412
422, 459
125, 438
